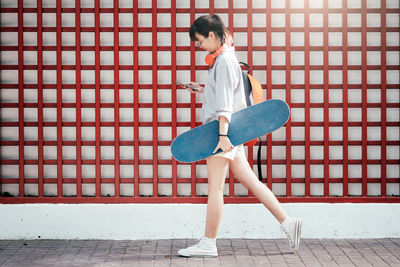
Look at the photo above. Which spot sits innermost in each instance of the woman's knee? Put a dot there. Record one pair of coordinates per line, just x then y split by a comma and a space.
216, 192
216, 188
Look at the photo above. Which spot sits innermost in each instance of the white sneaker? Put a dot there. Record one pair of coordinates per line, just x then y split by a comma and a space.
204, 248
292, 228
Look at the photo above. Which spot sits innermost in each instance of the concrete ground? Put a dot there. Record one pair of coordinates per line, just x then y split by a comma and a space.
232, 252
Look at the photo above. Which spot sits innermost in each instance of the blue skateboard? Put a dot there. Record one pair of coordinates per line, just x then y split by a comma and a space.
246, 124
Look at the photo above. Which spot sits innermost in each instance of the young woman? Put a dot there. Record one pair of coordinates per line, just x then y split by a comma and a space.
224, 94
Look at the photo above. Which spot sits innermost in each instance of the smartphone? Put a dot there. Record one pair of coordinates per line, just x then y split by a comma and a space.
186, 85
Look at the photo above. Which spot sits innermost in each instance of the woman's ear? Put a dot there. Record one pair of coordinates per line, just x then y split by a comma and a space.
212, 35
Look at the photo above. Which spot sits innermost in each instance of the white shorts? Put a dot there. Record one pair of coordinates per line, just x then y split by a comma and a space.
236, 152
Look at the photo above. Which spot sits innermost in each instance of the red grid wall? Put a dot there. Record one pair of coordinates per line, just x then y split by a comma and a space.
89, 104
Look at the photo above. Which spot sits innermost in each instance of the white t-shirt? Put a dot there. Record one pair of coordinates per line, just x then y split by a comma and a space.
223, 91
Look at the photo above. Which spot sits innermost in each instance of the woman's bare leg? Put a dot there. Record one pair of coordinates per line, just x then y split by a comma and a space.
243, 172
216, 170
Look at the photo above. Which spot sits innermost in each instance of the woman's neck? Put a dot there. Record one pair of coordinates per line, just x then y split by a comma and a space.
218, 47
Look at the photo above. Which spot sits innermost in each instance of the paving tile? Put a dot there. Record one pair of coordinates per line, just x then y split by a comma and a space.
232, 252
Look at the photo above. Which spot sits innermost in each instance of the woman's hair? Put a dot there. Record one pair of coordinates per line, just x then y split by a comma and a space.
210, 23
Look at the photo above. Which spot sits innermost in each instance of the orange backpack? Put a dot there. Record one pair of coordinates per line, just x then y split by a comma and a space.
254, 95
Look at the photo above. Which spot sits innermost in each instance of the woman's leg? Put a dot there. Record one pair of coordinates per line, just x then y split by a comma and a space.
243, 172
216, 170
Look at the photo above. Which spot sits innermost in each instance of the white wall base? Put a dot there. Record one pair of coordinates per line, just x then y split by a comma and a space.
167, 221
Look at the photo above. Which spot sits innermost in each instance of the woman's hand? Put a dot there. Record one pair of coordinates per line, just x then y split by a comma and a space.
225, 144
195, 85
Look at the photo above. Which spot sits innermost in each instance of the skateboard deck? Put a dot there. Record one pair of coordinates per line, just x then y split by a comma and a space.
246, 124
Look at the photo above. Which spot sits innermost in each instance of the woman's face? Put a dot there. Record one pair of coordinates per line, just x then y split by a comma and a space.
211, 43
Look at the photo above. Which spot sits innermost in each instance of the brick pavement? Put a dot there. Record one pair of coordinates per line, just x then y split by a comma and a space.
232, 252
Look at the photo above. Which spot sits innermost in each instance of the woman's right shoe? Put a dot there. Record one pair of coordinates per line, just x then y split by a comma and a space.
202, 249
292, 228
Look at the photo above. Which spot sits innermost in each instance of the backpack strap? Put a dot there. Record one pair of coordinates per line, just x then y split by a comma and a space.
259, 161
247, 66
